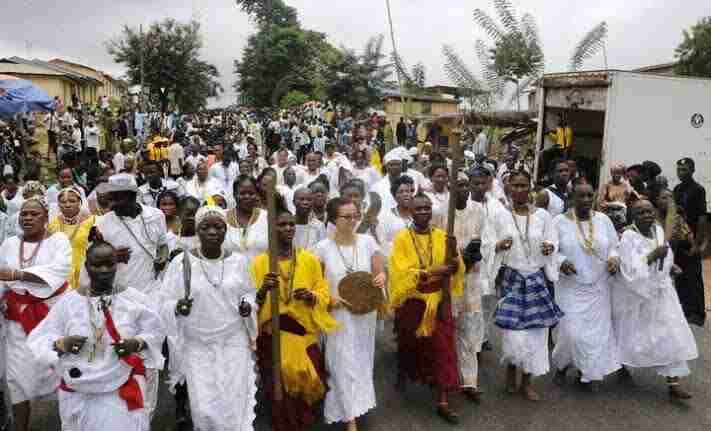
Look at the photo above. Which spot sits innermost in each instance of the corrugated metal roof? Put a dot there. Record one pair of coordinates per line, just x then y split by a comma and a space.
27, 69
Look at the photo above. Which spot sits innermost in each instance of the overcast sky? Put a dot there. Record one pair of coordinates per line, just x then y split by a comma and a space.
641, 32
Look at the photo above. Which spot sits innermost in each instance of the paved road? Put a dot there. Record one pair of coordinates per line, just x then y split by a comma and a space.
642, 405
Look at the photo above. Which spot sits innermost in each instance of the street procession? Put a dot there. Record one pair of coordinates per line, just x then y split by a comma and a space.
221, 217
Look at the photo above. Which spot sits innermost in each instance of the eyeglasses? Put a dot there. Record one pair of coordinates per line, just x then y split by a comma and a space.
350, 217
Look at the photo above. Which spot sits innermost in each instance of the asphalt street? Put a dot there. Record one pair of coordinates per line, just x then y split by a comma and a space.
641, 405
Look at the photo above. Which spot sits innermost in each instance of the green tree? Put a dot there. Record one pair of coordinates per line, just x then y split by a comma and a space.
266, 12
413, 81
171, 61
694, 53
589, 45
293, 98
277, 61
358, 81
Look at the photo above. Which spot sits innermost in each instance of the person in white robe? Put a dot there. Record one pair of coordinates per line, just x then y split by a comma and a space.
587, 247
224, 171
215, 327
247, 224
363, 170
473, 241
350, 351
201, 184
555, 198
439, 195
523, 262
34, 268
99, 339
399, 217
139, 234
393, 162
651, 329
309, 231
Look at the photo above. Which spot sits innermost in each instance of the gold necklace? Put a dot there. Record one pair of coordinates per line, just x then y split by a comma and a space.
289, 277
587, 242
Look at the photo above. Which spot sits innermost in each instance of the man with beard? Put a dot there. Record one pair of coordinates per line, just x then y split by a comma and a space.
139, 234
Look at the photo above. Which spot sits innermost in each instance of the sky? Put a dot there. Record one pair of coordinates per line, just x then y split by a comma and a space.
641, 32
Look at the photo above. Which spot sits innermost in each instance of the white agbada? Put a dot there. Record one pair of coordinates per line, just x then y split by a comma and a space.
215, 343
585, 335
95, 403
350, 351
307, 236
28, 378
649, 323
382, 189
250, 241
469, 224
143, 234
526, 349
556, 206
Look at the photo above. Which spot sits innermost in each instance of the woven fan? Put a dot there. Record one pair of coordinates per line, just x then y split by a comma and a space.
358, 291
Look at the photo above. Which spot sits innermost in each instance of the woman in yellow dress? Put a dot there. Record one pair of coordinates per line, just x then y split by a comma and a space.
76, 224
304, 300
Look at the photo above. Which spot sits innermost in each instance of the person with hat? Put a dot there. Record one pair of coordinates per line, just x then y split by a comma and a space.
690, 198
99, 340
213, 319
139, 234
34, 268
394, 168
304, 301
350, 351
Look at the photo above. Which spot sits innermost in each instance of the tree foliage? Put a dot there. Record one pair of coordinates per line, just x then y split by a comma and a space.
266, 12
589, 46
171, 60
358, 81
694, 53
414, 81
470, 87
516, 54
293, 98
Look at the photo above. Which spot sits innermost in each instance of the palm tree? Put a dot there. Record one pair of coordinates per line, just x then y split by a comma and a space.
589, 45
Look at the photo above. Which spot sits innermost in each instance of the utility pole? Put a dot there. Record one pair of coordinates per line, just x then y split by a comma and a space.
397, 71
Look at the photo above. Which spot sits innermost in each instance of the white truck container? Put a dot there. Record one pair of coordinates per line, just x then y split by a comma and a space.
628, 117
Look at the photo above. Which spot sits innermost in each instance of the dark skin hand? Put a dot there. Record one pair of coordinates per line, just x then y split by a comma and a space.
271, 282
72, 344
305, 296
123, 255
126, 347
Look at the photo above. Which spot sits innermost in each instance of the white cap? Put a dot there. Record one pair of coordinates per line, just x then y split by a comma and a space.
121, 183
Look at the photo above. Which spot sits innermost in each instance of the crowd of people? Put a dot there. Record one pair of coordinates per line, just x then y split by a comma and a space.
156, 259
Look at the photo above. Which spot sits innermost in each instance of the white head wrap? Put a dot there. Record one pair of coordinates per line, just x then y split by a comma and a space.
209, 211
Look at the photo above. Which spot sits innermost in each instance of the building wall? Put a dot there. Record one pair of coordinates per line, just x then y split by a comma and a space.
53, 85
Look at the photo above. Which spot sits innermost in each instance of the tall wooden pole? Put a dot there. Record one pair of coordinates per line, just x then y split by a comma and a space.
451, 250
397, 70
274, 269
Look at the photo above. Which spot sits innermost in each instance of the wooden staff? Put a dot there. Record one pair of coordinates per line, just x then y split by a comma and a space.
451, 250
275, 294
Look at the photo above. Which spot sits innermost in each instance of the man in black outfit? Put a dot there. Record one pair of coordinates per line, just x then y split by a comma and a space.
690, 197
